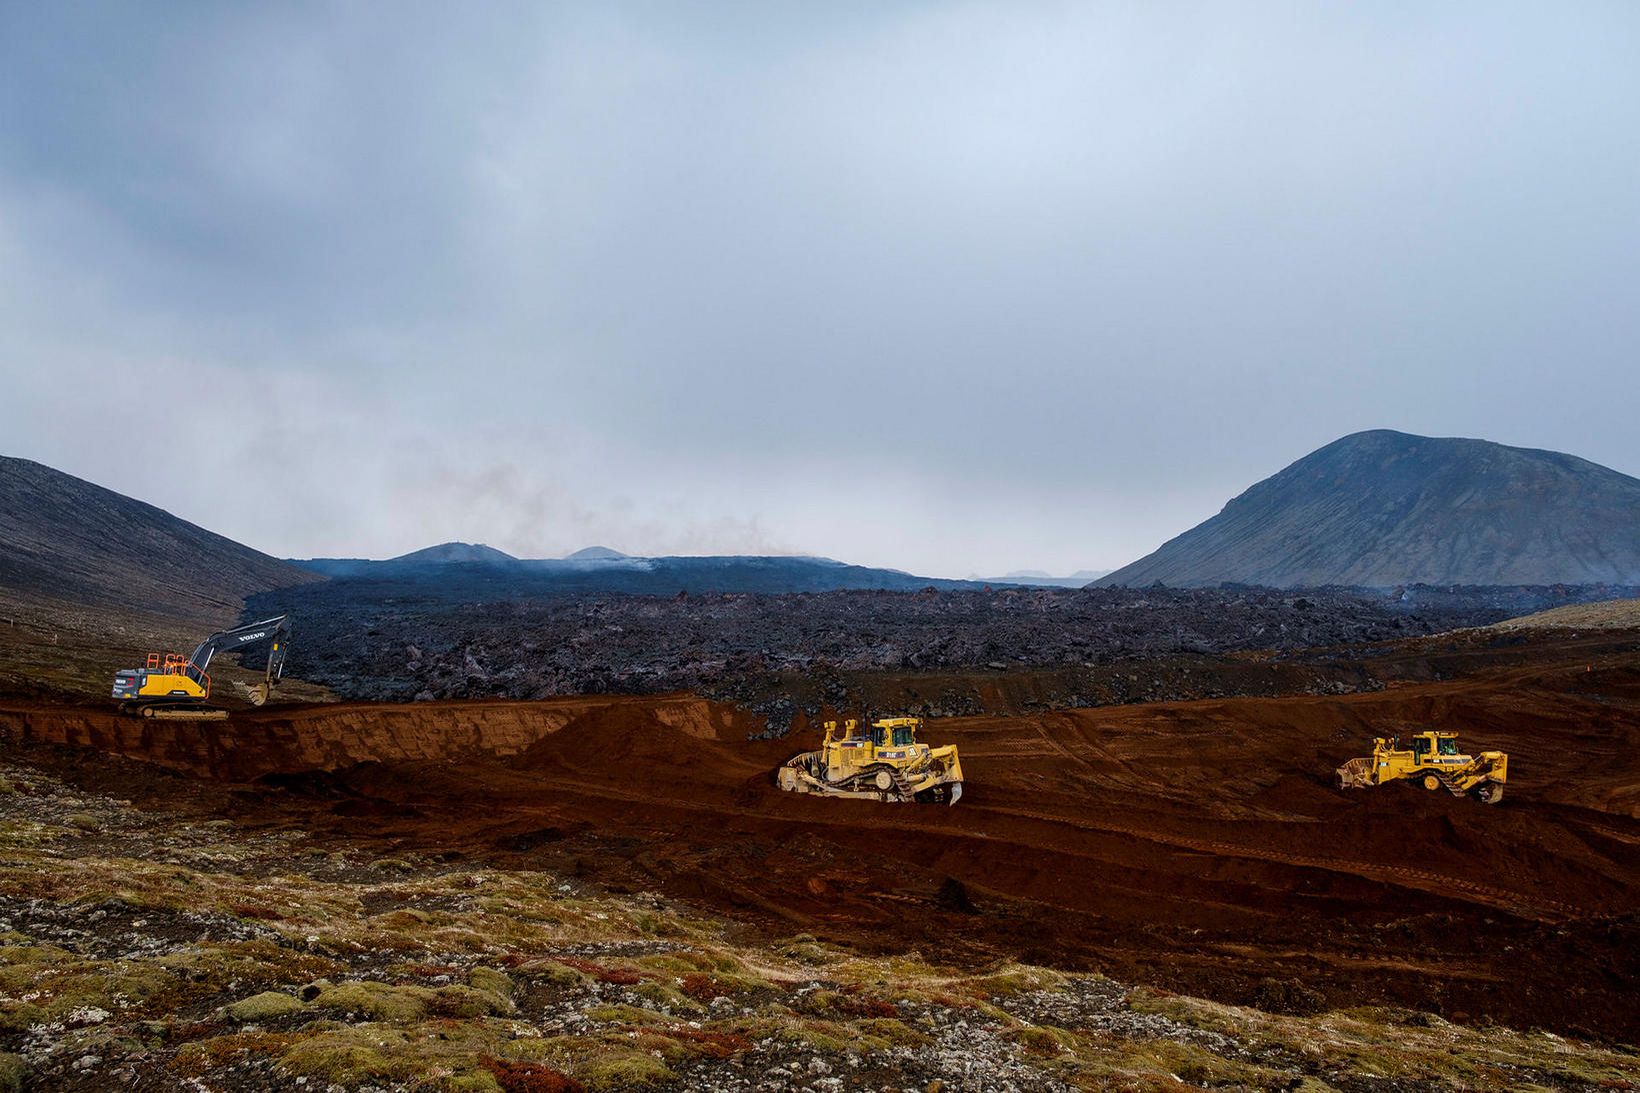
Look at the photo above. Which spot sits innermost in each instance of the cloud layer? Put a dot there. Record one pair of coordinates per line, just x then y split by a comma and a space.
956, 288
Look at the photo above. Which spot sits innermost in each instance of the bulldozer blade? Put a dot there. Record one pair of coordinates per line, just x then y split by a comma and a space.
1356, 774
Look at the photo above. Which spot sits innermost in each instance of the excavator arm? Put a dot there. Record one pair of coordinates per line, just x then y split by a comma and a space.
274, 631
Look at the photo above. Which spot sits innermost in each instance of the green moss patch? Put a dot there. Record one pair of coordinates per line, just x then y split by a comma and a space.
265, 1006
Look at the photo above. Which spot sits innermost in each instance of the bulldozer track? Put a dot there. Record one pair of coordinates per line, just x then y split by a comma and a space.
1616, 836
1059, 747
1435, 882
1423, 879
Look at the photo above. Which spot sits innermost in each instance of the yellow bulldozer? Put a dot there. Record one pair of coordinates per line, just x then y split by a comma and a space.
886, 762
1434, 762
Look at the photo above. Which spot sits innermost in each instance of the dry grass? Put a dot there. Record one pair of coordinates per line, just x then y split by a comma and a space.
460, 978
1611, 615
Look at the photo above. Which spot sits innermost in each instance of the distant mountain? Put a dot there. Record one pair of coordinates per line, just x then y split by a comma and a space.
454, 571
525, 578
596, 554
1383, 509
1039, 578
456, 552
66, 541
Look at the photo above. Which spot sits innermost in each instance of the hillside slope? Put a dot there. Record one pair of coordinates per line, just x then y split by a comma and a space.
64, 540
1610, 615
1382, 509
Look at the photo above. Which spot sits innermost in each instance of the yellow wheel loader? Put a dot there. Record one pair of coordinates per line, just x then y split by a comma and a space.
1434, 762
884, 763
176, 686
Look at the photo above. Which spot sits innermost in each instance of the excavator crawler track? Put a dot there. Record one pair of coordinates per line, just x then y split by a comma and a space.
184, 713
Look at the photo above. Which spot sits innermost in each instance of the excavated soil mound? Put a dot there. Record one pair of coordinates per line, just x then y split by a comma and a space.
257, 744
1199, 846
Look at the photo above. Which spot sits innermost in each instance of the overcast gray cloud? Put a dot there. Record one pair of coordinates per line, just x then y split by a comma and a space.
952, 287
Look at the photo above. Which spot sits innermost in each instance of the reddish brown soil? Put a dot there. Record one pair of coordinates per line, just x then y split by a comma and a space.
1198, 845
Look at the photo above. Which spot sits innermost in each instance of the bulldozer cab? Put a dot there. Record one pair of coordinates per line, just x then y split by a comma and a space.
894, 732
1435, 747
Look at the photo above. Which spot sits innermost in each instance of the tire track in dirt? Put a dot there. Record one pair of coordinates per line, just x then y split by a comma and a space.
1440, 884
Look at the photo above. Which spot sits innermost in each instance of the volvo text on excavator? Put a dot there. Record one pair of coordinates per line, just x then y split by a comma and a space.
174, 686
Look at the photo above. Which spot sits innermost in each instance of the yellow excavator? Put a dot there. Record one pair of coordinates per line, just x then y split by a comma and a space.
1434, 762
886, 762
171, 685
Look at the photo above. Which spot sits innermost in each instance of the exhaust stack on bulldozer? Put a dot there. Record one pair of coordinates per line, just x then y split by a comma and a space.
1434, 762
885, 763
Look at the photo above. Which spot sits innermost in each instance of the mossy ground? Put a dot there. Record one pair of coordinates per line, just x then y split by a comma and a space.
169, 952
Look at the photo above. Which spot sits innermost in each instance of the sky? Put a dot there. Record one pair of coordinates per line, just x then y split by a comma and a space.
958, 288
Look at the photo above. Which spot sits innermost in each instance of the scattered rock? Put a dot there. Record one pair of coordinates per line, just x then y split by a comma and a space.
1289, 996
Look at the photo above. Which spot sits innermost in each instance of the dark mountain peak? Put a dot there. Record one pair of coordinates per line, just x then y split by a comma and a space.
1384, 508
456, 552
596, 554
1386, 438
